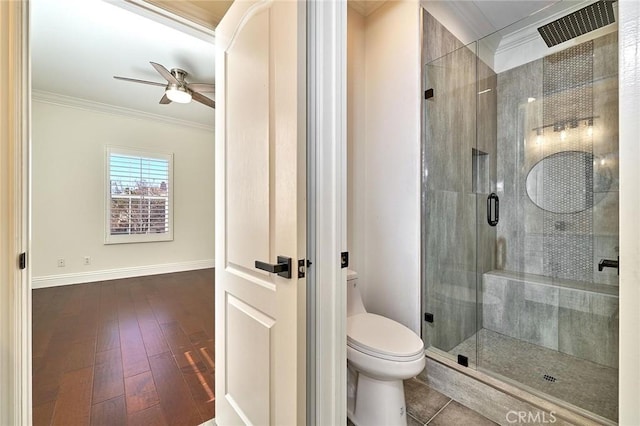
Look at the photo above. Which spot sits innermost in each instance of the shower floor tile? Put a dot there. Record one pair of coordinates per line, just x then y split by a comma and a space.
585, 384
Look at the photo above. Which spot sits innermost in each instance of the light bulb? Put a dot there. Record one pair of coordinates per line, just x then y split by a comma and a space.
590, 131
563, 135
179, 95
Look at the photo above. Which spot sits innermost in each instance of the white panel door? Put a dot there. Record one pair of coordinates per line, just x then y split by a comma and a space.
260, 213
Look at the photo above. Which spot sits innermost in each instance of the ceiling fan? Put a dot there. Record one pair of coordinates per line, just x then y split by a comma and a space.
176, 88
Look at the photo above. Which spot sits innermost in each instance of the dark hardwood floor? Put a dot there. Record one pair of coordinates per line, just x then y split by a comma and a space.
137, 351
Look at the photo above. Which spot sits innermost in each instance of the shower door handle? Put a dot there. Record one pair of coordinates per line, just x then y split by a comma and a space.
493, 209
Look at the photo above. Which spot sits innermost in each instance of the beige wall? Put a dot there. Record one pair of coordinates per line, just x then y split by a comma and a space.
68, 181
356, 141
384, 158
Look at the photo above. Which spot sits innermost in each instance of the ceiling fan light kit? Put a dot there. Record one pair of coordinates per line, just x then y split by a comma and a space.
177, 89
178, 94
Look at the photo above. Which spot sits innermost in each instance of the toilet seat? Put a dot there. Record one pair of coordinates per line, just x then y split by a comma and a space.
383, 338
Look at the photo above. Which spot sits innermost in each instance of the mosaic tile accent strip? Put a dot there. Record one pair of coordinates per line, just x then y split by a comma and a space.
567, 109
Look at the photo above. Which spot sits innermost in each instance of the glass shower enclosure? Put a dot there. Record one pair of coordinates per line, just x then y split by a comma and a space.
520, 215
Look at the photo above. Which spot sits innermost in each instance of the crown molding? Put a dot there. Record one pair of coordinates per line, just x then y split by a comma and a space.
365, 7
529, 33
87, 105
183, 16
525, 44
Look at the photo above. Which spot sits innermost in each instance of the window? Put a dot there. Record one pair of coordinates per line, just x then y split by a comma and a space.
139, 205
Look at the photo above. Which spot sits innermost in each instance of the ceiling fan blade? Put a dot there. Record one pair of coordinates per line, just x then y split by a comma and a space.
135, 80
203, 99
202, 87
165, 73
165, 100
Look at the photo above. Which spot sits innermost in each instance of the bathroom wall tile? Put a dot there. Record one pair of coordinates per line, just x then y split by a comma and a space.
503, 303
449, 268
605, 135
533, 217
422, 402
588, 326
457, 414
539, 317
452, 300
572, 65
438, 40
607, 245
605, 215
605, 56
515, 115
487, 113
534, 253
449, 122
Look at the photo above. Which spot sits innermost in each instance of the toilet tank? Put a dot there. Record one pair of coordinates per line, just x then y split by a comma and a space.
354, 299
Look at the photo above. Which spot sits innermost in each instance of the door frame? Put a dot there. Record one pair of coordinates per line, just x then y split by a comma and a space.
15, 289
326, 212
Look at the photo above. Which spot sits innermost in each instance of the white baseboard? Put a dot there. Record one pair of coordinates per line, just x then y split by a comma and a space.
114, 274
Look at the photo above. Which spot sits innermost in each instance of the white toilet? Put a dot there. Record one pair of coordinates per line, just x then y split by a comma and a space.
380, 354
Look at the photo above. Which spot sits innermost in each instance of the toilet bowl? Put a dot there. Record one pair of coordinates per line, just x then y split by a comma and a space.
381, 353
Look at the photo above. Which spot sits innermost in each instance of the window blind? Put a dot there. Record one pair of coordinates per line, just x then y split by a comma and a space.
139, 195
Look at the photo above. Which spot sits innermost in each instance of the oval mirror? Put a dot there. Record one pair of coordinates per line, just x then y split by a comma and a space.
563, 182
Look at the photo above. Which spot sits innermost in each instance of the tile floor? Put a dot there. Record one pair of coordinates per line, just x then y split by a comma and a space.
426, 406
585, 384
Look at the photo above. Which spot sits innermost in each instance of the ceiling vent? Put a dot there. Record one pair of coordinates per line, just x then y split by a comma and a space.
587, 19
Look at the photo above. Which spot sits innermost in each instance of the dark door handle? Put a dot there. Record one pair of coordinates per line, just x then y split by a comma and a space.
609, 263
493, 214
282, 268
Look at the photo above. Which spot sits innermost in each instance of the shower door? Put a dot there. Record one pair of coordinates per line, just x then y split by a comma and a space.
550, 305
450, 203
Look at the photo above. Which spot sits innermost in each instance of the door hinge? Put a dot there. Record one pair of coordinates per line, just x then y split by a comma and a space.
344, 259
428, 317
22, 260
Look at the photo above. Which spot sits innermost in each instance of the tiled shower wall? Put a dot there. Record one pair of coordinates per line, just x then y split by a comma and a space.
578, 82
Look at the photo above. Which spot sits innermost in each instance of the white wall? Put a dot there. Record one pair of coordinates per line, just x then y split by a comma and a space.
356, 141
384, 163
68, 181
